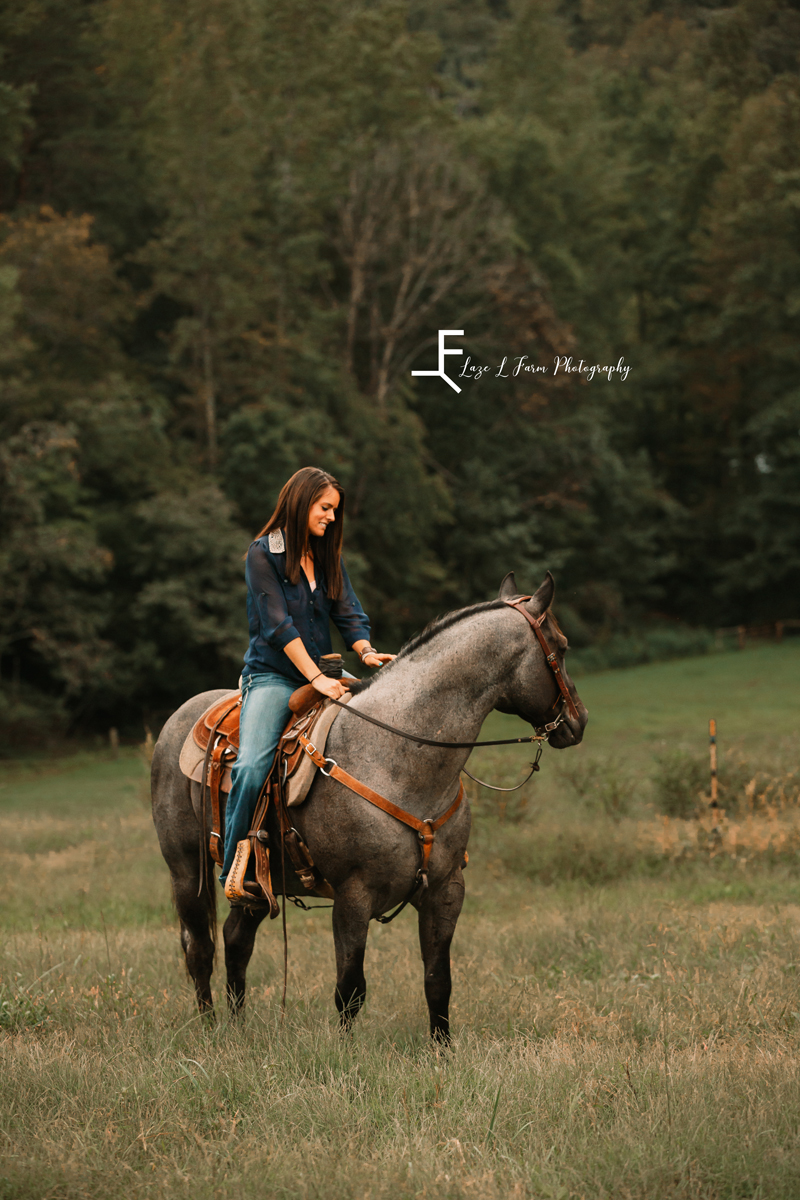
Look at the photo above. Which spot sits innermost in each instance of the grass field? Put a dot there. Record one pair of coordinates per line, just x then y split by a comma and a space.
626, 986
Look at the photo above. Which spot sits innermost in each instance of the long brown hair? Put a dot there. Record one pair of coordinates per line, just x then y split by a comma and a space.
297, 496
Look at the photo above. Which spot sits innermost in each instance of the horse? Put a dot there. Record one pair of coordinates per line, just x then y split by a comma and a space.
442, 685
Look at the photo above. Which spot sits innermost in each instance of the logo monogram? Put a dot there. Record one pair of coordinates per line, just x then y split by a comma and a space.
443, 333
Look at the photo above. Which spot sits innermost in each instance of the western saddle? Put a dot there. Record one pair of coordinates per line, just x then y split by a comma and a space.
216, 735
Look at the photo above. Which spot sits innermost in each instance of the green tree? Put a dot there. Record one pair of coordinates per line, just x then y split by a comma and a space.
95, 499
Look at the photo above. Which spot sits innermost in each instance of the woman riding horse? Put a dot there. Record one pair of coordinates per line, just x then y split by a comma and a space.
296, 585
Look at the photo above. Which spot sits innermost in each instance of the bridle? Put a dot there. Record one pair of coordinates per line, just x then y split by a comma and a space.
550, 656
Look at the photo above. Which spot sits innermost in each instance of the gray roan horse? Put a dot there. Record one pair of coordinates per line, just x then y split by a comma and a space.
442, 685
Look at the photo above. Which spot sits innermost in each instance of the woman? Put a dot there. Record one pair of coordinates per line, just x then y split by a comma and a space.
296, 585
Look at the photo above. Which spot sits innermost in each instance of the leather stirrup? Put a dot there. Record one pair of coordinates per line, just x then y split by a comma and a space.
236, 889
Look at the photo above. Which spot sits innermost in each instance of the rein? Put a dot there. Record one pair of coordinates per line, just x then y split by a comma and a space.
427, 828
539, 736
493, 788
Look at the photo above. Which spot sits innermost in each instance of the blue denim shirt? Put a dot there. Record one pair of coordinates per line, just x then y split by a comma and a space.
279, 611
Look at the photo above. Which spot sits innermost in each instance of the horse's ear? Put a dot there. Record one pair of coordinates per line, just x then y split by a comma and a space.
508, 587
542, 598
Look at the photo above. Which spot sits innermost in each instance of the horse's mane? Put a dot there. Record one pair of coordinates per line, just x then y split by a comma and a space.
431, 630
439, 624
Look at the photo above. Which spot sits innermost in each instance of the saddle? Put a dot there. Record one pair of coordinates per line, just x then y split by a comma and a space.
207, 757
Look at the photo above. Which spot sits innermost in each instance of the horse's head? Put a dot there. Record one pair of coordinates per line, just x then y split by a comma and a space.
533, 691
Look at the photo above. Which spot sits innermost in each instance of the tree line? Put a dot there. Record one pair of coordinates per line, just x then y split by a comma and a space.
229, 231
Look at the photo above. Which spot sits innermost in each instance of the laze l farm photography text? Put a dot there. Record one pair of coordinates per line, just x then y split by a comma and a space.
519, 364
513, 366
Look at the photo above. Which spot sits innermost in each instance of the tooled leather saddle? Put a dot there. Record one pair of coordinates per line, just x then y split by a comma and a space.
216, 735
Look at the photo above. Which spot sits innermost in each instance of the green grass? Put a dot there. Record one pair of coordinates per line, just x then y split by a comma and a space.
627, 1023
753, 694
641, 712
77, 846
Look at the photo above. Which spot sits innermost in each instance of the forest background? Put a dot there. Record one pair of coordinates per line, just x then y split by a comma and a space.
229, 230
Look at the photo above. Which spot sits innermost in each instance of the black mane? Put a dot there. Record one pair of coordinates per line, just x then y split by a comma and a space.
438, 625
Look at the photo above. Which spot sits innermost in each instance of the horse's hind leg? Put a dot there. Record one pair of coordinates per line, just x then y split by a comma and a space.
352, 910
239, 933
198, 921
438, 914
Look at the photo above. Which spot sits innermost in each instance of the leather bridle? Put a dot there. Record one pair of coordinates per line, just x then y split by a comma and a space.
550, 655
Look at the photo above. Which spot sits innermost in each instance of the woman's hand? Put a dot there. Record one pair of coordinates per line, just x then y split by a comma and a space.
329, 687
373, 659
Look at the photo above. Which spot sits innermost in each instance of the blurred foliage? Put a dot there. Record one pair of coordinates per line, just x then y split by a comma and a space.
226, 238
682, 781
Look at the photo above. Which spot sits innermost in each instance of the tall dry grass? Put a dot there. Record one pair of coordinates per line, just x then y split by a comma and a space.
613, 1044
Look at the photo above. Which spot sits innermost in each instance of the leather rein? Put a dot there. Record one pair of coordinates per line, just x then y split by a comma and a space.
427, 828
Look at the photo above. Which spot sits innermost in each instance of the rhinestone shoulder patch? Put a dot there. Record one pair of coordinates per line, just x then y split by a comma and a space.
276, 543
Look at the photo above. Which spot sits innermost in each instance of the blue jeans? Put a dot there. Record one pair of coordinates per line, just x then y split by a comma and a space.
265, 711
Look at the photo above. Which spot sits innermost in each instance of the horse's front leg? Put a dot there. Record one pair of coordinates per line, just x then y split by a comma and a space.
239, 934
352, 910
438, 913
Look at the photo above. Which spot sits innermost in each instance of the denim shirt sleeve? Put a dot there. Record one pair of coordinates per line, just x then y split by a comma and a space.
347, 614
277, 626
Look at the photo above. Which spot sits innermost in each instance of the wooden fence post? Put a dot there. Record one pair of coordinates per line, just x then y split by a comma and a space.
712, 744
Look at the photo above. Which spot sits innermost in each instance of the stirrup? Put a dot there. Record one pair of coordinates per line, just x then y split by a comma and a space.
236, 890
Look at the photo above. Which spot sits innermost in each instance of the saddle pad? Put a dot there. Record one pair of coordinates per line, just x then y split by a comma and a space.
192, 756
298, 785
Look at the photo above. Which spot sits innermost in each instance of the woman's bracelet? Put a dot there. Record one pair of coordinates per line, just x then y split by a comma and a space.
362, 654
313, 677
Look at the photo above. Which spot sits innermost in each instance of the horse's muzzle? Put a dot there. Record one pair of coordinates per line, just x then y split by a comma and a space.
570, 731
